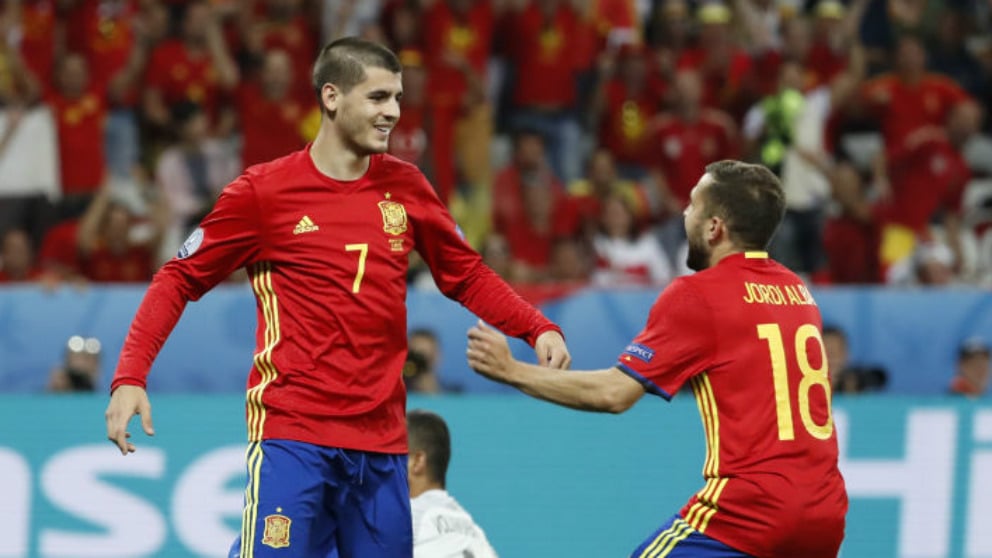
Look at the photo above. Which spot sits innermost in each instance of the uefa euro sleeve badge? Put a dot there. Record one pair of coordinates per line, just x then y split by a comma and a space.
276, 532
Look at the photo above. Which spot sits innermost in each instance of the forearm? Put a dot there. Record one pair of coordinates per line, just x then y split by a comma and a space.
596, 391
157, 315
490, 298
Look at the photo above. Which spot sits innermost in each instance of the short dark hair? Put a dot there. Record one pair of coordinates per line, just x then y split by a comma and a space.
424, 332
834, 330
429, 433
343, 62
749, 198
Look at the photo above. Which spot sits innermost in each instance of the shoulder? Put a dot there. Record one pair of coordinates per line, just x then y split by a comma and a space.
395, 170
389, 164
276, 171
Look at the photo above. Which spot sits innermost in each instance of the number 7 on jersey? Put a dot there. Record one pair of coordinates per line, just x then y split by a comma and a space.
363, 254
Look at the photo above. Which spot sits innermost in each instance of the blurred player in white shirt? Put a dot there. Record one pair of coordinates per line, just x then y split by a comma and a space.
441, 527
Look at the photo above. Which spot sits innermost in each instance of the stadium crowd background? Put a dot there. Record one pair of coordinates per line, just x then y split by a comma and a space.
564, 135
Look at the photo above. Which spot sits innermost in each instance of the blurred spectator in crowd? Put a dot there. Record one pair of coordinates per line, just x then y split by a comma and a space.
114, 245
270, 112
194, 67
400, 22
80, 369
495, 252
40, 35
422, 361
726, 69
626, 99
441, 527
116, 37
458, 36
909, 98
688, 138
845, 377
787, 132
668, 31
29, 158
17, 261
410, 139
192, 172
972, 375
932, 264
684, 141
283, 25
603, 181
530, 208
927, 174
343, 18
625, 256
571, 263
850, 235
81, 112
547, 56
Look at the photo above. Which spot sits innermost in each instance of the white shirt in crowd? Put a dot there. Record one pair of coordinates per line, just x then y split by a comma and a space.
630, 262
443, 529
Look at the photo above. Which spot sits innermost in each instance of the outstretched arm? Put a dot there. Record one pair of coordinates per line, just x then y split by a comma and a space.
609, 390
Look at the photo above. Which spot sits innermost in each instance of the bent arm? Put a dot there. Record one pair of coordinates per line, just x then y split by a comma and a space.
608, 390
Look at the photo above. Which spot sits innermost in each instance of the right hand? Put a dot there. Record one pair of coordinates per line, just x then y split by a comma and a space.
125, 402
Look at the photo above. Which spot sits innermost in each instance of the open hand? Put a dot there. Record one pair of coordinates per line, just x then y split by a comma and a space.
125, 402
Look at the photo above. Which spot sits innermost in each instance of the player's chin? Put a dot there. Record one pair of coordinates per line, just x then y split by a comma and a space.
377, 145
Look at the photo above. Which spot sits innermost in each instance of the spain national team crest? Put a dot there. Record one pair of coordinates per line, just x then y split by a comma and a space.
276, 532
393, 216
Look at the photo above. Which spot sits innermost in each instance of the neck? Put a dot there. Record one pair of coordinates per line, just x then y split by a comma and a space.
334, 158
723, 250
419, 485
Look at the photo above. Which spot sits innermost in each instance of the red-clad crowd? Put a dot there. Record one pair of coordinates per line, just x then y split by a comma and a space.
565, 135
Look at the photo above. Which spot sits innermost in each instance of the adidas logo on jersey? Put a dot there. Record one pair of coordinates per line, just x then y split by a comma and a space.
305, 225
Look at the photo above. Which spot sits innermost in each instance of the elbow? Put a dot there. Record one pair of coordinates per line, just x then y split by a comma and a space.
616, 402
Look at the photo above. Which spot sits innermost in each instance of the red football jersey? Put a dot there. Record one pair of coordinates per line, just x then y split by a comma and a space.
904, 108
682, 147
328, 264
925, 179
745, 335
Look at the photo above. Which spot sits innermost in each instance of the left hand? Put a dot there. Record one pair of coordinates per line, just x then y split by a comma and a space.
489, 354
551, 351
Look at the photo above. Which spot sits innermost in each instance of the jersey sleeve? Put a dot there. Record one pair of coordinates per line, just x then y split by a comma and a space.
676, 343
461, 274
227, 239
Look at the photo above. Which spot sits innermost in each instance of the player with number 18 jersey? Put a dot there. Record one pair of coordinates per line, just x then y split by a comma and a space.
745, 335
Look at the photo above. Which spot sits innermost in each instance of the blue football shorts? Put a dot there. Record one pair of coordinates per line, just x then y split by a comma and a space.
310, 501
677, 539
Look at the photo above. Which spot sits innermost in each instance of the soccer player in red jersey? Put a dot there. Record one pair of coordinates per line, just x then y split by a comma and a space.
325, 234
744, 333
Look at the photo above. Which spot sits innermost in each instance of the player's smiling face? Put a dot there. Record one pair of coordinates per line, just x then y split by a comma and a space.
367, 113
695, 222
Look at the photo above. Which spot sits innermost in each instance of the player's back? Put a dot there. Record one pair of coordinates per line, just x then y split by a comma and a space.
773, 487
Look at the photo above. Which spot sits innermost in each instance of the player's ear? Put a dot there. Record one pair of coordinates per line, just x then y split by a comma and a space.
715, 229
418, 461
330, 96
